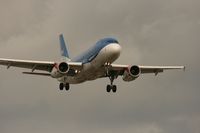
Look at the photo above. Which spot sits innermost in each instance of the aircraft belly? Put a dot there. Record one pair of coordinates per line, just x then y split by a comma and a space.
89, 72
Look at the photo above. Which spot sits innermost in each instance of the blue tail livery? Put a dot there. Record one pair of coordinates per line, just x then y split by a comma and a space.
63, 48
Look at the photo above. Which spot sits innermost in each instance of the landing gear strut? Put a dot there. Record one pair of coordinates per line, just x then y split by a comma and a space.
111, 86
62, 85
112, 75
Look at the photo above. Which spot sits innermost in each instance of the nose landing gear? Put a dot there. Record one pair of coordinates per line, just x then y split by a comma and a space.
111, 86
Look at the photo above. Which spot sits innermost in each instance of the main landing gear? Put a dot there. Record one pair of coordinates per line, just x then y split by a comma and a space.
111, 86
62, 86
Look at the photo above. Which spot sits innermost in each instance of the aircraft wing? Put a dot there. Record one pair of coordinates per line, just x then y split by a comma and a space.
144, 69
36, 65
158, 69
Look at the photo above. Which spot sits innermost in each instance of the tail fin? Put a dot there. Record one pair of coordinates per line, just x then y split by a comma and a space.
63, 48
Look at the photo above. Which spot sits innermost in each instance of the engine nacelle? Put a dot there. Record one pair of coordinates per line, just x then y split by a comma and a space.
60, 70
131, 74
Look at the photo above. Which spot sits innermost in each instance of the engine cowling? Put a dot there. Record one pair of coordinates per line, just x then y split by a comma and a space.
132, 73
60, 70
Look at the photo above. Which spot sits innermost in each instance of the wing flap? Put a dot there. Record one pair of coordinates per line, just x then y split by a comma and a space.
158, 69
144, 69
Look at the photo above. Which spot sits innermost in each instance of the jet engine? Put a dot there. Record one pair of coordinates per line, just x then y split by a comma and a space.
60, 70
131, 74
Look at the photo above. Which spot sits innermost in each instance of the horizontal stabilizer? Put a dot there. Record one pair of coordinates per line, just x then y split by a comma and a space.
34, 73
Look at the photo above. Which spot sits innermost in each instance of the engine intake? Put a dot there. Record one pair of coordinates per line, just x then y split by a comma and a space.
63, 67
60, 70
131, 74
135, 71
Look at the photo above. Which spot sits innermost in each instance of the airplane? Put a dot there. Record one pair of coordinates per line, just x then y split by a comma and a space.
96, 62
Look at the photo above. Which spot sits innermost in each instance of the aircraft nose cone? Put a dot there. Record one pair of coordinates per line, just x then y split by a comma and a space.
116, 50
113, 51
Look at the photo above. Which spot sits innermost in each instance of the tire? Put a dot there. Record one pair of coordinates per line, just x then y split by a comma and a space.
61, 86
67, 86
114, 88
108, 88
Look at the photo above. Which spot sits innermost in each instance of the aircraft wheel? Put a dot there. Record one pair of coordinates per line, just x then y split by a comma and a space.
108, 88
61, 86
114, 88
67, 86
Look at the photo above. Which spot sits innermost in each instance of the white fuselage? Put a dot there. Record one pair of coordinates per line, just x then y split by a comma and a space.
95, 68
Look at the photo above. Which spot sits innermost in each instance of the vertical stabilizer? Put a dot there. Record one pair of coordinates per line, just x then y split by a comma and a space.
63, 48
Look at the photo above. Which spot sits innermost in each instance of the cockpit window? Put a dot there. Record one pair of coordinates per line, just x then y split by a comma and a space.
112, 41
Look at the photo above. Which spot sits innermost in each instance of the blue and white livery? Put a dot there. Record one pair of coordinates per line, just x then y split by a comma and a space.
96, 62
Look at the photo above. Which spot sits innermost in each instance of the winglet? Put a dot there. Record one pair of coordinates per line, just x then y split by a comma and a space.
184, 68
63, 48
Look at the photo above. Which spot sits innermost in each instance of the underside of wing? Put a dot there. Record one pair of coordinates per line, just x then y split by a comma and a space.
37, 65
29, 64
130, 73
158, 69
143, 69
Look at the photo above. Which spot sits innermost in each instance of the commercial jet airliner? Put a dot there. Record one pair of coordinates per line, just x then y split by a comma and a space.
96, 62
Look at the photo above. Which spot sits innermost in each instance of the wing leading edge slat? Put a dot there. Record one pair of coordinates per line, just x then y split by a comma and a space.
30, 64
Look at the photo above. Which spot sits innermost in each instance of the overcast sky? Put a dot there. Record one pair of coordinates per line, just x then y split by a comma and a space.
151, 32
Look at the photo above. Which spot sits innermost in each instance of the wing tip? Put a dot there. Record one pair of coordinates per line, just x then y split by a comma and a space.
184, 68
